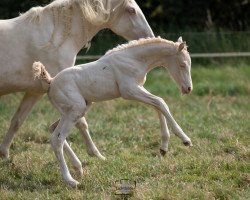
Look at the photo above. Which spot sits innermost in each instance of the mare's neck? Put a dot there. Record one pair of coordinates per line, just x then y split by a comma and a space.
71, 28
82, 30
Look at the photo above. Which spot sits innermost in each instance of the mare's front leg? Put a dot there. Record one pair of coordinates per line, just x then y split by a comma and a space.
25, 107
139, 93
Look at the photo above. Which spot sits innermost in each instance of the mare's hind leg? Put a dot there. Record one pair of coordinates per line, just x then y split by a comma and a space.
25, 107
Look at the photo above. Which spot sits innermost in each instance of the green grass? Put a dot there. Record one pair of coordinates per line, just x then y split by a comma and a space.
216, 116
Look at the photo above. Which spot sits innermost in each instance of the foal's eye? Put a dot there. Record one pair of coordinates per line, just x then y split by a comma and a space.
131, 10
183, 66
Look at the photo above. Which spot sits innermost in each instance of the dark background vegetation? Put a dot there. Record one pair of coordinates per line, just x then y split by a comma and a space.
170, 15
207, 25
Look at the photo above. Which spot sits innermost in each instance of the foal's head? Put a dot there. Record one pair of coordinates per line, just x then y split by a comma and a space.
179, 66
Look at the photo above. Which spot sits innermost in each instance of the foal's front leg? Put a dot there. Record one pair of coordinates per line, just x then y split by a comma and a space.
141, 94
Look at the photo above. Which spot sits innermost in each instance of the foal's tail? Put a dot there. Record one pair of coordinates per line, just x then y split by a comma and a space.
40, 72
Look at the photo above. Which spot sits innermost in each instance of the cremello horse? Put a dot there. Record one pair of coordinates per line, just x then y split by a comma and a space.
120, 73
54, 34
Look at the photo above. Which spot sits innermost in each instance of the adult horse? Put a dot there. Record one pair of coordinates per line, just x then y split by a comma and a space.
54, 34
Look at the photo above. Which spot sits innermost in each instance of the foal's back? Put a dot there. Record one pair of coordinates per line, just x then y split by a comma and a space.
95, 81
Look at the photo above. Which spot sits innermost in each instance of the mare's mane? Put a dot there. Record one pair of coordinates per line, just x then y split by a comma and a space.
96, 12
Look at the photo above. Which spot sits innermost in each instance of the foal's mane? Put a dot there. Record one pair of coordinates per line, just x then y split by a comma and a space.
139, 42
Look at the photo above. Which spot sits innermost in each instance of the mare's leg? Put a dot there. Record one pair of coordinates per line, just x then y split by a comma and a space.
25, 107
165, 135
141, 94
77, 165
91, 148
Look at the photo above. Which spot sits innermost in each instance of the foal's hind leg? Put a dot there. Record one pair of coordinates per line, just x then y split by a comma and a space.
57, 142
25, 107
83, 128
70, 153
91, 148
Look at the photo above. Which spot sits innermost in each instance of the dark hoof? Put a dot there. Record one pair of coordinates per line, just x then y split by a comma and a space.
188, 143
163, 152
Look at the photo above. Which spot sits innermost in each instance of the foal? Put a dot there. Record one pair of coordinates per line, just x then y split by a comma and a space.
121, 72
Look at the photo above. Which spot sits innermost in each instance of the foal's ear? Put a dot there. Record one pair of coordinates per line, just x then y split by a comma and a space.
180, 40
181, 46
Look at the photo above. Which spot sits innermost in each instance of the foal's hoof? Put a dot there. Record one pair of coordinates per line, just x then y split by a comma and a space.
163, 152
79, 171
188, 143
95, 153
73, 183
4, 155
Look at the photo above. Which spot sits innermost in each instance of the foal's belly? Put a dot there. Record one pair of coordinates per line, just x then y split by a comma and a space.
101, 91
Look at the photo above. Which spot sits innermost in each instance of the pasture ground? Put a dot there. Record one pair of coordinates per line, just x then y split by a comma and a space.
216, 116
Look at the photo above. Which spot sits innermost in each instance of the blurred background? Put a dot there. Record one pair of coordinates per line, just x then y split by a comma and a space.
208, 26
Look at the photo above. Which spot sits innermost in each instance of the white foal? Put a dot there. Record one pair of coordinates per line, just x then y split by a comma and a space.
121, 72
54, 34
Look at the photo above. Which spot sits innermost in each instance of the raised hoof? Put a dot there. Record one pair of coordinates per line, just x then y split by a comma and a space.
93, 153
188, 143
163, 152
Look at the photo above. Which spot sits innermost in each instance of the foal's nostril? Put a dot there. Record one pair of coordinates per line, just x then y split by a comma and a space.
189, 89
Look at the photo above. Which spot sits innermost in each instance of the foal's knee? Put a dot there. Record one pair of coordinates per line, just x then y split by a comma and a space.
82, 123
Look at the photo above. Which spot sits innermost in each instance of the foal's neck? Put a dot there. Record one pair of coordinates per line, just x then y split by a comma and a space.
154, 54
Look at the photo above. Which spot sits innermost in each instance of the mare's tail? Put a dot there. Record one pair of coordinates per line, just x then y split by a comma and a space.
40, 72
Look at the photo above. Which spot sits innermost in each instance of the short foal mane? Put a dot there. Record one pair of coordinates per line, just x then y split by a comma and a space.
140, 42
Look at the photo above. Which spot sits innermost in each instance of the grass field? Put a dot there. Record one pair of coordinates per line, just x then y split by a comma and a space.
216, 116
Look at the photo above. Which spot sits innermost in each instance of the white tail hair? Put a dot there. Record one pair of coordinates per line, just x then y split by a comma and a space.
40, 72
